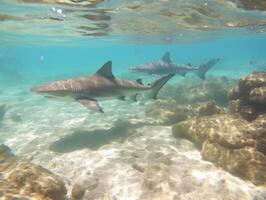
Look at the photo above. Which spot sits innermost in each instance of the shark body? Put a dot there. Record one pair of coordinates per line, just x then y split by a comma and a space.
166, 66
88, 90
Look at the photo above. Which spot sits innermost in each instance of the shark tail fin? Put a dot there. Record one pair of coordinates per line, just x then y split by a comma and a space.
157, 85
203, 68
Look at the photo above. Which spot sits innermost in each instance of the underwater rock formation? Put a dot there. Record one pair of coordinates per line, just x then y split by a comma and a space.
77, 191
2, 110
230, 142
248, 98
22, 180
192, 90
237, 145
168, 112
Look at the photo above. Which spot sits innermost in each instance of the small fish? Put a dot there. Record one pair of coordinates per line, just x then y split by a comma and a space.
103, 85
166, 66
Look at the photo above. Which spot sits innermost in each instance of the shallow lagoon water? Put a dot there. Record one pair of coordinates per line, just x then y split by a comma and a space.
121, 154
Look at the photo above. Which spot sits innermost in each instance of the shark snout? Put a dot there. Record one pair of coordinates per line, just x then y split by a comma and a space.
41, 89
36, 89
133, 69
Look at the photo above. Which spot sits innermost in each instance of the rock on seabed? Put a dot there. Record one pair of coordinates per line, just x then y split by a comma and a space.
169, 112
229, 140
23, 180
248, 98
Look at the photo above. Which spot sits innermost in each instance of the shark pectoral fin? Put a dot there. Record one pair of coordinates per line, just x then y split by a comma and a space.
157, 85
166, 57
91, 104
122, 98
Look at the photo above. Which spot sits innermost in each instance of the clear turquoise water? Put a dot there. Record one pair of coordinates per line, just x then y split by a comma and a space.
35, 50
37, 62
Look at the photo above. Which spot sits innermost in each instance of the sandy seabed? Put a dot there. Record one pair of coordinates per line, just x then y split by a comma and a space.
118, 155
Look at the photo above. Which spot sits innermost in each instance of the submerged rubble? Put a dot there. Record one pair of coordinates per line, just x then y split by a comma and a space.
23, 180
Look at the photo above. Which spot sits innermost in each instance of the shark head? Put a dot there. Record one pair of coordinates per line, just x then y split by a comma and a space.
140, 68
153, 67
51, 90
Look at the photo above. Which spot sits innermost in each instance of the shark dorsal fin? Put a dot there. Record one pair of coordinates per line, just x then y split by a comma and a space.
166, 57
106, 70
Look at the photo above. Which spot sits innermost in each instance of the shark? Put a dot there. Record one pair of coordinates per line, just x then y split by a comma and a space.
103, 85
166, 66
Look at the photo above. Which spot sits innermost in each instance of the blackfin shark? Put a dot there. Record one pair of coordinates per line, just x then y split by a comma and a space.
88, 90
166, 66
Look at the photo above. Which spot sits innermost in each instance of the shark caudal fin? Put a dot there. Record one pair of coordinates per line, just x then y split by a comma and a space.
157, 85
202, 69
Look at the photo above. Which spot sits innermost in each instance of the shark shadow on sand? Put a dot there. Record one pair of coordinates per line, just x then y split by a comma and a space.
81, 139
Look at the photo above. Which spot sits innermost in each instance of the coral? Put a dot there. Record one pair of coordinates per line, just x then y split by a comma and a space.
22, 179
